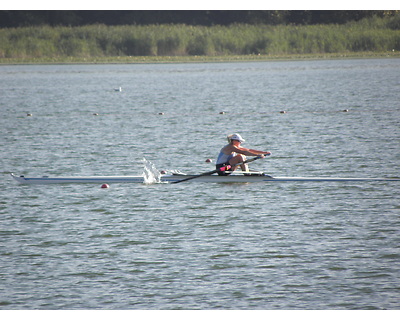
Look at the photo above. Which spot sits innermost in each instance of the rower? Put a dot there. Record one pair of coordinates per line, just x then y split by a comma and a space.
234, 154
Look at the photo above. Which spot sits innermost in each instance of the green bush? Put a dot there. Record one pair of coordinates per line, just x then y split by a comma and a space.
394, 22
370, 34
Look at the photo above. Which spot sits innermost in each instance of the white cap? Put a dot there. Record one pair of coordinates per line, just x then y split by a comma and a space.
235, 136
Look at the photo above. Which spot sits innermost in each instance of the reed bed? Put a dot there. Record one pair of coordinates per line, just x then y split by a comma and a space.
102, 42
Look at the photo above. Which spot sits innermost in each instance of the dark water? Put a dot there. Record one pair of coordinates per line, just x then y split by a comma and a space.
193, 245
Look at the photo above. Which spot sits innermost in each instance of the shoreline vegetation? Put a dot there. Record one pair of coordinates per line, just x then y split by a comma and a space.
197, 59
372, 37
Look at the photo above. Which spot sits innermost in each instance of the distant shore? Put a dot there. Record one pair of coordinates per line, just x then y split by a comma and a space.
372, 37
198, 59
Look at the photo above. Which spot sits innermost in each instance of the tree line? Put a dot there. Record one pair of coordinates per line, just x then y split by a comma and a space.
49, 43
24, 18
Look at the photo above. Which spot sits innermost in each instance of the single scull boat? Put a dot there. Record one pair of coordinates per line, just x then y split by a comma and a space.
236, 177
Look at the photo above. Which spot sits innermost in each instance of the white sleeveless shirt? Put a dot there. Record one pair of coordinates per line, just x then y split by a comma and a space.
224, 158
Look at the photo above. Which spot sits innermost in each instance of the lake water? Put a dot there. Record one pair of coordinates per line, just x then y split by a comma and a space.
327, 245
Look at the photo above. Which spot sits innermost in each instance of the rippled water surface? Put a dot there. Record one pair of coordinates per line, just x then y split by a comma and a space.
327, 245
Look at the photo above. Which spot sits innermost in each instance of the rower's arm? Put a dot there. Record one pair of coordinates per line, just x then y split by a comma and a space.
258, 152
251, 152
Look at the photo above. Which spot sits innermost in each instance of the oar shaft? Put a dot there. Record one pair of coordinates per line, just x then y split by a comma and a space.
226, 168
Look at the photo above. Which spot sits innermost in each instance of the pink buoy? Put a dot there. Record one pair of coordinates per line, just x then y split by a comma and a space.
104, 186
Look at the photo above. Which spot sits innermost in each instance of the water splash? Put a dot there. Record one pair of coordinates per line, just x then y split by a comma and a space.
150, 173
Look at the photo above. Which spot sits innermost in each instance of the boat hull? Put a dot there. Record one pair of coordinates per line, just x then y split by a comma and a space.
173, 178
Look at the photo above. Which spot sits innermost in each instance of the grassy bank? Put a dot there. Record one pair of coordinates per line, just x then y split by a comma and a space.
195, 59
372, 37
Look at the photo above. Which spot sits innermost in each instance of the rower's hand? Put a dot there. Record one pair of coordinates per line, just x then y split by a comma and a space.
264, 155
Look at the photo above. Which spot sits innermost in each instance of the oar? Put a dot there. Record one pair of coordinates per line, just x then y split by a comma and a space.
226, 168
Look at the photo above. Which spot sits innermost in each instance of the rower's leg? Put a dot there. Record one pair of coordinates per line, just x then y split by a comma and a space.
238, 159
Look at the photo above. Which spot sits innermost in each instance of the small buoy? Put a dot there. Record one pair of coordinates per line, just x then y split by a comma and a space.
222, 112
163, 172
208, 160
346, 110
104, 186
95, 114
283, 111
161, 113
29, 114
118, 89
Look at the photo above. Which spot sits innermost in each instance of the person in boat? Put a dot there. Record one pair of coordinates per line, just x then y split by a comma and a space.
233, 154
